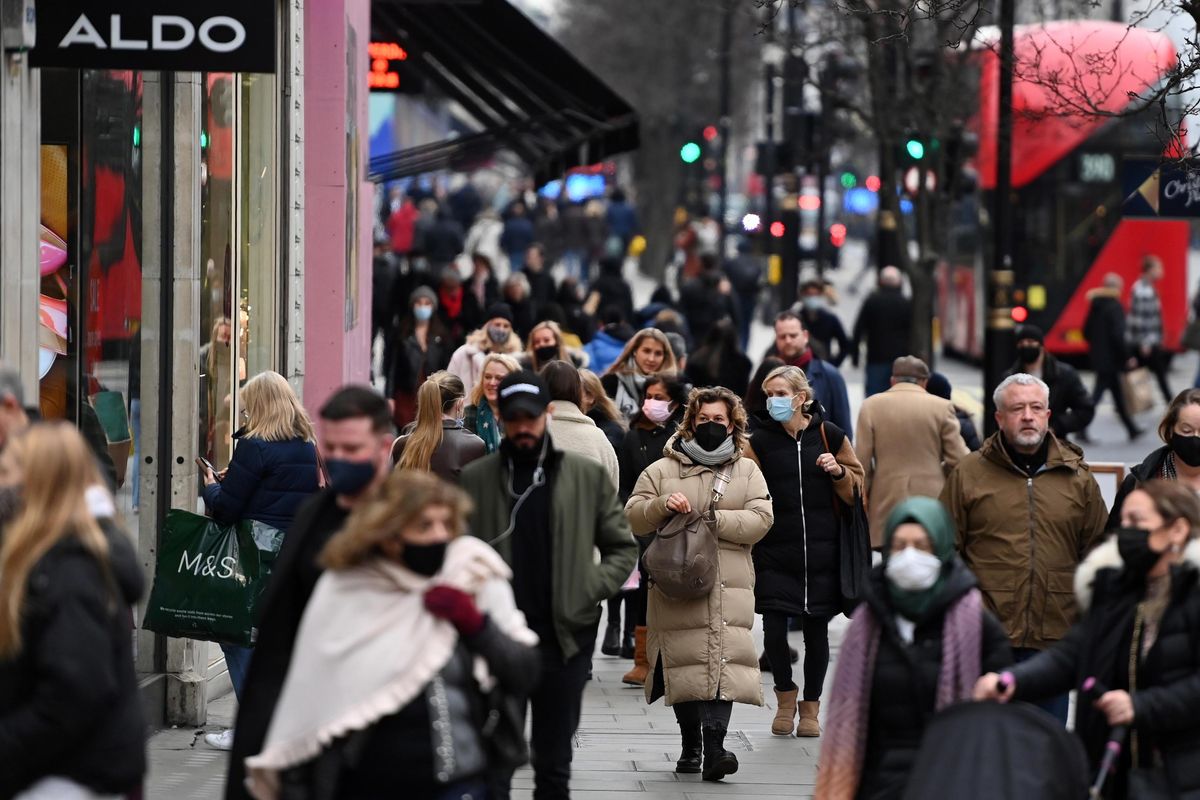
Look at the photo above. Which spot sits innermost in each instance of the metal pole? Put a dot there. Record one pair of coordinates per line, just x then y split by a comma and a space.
723, 124
997, 343
771, 247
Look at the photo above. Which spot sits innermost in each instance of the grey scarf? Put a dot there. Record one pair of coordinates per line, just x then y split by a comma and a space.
707, 458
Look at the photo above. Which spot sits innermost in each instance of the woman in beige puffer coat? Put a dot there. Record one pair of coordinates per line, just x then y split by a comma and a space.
701, 653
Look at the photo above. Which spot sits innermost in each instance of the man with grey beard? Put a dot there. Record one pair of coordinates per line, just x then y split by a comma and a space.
1027, 510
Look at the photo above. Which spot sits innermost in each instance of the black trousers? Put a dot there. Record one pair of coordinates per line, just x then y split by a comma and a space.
1159, 363
1109, 380
555, 707
816, 652
704, 713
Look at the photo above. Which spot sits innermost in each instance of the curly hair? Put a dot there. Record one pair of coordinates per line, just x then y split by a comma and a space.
716, 394
393, 508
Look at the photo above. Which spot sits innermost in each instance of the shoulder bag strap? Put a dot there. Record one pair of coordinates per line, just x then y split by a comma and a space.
322, 470
838, 506
720, 484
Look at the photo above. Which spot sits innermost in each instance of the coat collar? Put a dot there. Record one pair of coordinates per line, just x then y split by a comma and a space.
1061, 454
1107, 556
905, 386
687, 467
566, 411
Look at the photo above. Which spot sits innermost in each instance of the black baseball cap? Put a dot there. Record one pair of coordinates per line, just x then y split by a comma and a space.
523, 392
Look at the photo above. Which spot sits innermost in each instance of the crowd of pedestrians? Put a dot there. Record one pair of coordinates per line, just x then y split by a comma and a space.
539, 443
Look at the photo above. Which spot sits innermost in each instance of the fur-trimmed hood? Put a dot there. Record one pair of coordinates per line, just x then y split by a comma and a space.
1106, 556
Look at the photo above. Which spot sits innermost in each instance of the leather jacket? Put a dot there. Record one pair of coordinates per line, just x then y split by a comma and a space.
459, 447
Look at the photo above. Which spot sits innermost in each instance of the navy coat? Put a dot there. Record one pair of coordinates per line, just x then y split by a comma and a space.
266, 481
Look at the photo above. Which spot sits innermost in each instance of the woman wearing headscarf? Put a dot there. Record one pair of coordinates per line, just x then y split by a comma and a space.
701, 652
1132, 656
392, 714
916, 645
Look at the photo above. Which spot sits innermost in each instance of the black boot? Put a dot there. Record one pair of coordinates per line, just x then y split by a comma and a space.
627, 645
611, 645
691, 760
718, 762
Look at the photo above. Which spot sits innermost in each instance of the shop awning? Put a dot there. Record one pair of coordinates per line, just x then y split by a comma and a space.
526, 91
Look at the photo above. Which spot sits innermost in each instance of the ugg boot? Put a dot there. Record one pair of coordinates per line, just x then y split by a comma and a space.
718, 762
641, 667
785, 712
691, 760
808, 725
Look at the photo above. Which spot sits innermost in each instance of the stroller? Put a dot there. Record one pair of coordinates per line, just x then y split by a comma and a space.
989, 751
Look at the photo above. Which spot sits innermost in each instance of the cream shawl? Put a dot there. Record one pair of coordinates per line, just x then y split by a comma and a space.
367, 647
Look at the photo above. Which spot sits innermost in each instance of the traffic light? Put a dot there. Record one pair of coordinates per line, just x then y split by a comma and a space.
849, 180
710, 132
837, 234
915, 148
690, 153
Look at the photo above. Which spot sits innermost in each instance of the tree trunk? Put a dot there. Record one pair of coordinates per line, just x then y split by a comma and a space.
657, 181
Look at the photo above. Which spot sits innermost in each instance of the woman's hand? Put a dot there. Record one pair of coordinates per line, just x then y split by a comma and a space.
679, 503
827, 462
456, 607
1117, 707
989, 687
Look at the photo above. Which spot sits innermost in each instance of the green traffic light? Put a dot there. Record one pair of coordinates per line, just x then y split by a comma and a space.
848, 180
690, 153
915, 148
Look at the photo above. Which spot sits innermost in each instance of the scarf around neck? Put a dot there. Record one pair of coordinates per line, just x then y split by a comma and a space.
845, 746
356, 652
714, 458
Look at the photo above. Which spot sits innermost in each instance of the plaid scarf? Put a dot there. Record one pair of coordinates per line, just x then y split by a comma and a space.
845, 744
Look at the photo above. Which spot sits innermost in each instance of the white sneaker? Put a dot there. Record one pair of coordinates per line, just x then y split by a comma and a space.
220, 741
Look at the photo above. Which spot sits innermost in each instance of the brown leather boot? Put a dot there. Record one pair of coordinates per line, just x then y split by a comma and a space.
808, 725
785, 712
641, 667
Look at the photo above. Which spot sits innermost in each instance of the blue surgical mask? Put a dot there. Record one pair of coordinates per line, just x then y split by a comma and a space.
423, 313
350, 478
780, 408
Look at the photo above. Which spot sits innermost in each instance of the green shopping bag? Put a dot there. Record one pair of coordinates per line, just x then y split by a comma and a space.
209, 578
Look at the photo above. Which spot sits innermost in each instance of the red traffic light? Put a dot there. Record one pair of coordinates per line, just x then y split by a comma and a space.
710, 132
777, 229
1020, 313
873, 183
837, 234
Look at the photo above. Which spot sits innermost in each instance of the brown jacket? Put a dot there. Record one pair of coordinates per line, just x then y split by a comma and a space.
1023, 537
907, 441
705, 644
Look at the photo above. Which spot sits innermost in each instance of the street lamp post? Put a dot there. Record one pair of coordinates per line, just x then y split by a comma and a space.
997, 343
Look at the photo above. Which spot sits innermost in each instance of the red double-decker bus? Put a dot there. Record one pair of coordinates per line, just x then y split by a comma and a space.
1068, 230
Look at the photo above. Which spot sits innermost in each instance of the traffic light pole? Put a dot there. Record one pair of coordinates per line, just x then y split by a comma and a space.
769, 163
998, 343
723, 124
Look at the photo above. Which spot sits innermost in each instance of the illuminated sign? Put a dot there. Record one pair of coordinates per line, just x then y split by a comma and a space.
384, 56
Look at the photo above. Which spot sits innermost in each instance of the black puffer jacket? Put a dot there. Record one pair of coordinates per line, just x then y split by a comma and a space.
1166, 699
641, 447
796, 564
69, 703
266, 481
1148, 470
904, 686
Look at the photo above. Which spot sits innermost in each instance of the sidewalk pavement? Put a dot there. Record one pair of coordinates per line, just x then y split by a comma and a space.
622, 748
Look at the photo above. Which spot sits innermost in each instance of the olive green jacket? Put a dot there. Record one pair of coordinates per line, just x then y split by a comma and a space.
586, 517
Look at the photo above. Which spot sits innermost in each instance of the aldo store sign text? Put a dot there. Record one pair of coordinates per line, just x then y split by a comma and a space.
208, 36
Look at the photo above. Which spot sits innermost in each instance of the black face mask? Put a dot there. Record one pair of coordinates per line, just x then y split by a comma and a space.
1186, 448
1028, 355
546, 354
425, 559
1134, 546
711, 435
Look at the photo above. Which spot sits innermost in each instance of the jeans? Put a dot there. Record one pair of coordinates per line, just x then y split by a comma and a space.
878, 377
237, 660
555, 707
1057, 707
816, 652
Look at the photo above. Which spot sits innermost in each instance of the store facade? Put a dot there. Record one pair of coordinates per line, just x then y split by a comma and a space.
157, 170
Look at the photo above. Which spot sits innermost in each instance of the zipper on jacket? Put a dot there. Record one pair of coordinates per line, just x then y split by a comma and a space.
803, 519
1032, 556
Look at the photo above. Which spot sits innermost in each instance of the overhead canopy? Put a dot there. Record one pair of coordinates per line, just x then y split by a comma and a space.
526, 91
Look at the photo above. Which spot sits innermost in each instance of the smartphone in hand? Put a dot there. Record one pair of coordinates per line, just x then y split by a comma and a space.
204, 463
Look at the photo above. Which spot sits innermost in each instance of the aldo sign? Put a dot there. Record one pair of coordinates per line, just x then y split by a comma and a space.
178, 35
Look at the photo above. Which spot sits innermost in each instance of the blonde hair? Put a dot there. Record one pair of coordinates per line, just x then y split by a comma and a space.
274, 411
600, 399
715, 394
440, 390
56, 469
508, 362
795, 378
621, 365
554, 328
394, 507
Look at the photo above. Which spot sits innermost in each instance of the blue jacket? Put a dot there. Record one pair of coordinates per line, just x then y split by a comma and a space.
266, 481
602, 351
830, 388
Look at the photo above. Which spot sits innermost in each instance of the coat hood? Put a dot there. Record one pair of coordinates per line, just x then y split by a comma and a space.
1107, 556
1103, 292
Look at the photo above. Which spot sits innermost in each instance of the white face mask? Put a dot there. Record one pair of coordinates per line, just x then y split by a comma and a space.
913, 570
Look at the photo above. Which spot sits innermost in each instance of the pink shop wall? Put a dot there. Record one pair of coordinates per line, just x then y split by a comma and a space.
337, 207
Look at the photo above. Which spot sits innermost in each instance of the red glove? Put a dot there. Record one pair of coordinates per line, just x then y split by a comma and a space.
456, 607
